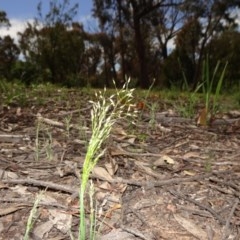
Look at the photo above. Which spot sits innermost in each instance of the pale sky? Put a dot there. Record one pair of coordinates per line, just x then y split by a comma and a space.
19, 12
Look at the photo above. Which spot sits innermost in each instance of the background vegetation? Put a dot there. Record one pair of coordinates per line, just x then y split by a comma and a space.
165, 41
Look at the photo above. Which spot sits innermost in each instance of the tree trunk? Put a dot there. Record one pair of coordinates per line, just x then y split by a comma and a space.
140, 48
143, 80
122, 50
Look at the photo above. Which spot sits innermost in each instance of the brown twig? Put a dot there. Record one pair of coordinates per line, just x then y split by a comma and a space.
49, 185
162, 182
226, 227
214, 214
135, 232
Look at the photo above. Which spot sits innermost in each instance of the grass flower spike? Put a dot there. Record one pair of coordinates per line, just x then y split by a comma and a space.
105, 113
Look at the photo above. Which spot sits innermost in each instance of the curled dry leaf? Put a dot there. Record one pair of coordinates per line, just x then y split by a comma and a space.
119, 131
191, 227
43, 229
62, 221
189, 173
163, 161
8, 175
117, 152
191, 155
234, 113
115, 207
19, 111
163, 129
105, 186
6, 211
140, 105
101, 173
131, 140
111, 167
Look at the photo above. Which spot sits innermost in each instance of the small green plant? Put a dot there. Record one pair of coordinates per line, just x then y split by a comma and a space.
32, 216
13, 92
236, 97
208, 165
209, 162
187, 108
149, 90
208, 84
142, 137
185, 85
105, 113
209, 81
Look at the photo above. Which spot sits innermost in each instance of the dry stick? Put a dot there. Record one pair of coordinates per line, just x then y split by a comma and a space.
226, 227
48, 185
228, 184
28, 202
220, 189
11, 138
161, 182
69, 189
135, 232
215, 214
209, 232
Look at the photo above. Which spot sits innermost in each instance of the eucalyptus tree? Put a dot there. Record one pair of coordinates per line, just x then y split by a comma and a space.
208, 19
143, 29
4, 21
226, 47
132, 22
9, 51
106, 13
53, 43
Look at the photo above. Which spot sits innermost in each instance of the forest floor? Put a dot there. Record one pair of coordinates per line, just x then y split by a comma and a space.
163, 178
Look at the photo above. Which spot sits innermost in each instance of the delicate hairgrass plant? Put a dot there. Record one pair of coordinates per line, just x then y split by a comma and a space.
32, 216
106, 111
93, 211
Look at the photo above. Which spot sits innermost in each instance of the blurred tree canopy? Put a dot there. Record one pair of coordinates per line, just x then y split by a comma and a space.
143, 39
9, 51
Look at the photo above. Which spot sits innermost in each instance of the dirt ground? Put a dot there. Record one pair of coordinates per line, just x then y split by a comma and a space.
164, 178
